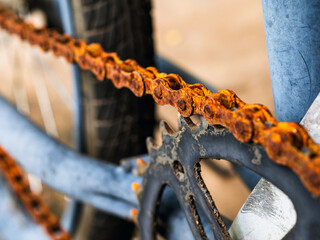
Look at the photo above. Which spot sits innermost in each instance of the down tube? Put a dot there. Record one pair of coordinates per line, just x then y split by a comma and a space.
293, 39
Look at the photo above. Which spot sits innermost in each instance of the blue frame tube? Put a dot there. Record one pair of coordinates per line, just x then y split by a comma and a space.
105, 186
293, 39
69, 172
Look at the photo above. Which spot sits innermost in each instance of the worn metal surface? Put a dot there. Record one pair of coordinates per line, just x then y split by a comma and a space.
281, 207
187, 147
268, 214
293, 40
171, 166
311, 121
285, 143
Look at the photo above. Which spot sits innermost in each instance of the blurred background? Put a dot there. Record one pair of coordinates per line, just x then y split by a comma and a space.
220, 42
223, 44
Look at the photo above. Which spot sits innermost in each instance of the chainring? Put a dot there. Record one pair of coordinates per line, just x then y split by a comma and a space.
176, 164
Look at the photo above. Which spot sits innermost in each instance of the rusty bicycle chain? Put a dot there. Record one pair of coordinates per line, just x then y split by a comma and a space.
286, 143
38, 210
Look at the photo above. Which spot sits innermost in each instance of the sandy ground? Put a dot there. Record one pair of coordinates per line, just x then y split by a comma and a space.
222, 42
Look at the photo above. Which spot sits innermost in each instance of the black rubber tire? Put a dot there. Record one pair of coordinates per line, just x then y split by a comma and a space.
116, 123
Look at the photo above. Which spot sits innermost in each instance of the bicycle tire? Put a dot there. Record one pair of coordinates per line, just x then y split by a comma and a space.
116, 123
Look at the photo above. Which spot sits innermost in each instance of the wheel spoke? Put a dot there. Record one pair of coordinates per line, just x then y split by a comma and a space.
19, 88
54, 80
43, 99
6, 45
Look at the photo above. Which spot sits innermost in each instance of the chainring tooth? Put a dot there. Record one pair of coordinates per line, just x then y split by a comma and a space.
165, 129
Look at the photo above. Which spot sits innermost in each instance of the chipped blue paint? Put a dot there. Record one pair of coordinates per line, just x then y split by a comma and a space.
103, 185
67, 171
293, 39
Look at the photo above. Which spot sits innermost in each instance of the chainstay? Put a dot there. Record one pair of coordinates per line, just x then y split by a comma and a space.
286, 143
38, 210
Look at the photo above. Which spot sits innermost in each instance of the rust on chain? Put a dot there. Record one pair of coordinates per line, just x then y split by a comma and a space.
286, 143
40, 213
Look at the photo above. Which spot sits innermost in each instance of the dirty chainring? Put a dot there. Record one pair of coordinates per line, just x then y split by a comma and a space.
176, 164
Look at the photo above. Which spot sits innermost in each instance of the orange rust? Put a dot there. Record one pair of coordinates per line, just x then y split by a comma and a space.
38, 210
142, 166
135, 187
287, 144
134, 213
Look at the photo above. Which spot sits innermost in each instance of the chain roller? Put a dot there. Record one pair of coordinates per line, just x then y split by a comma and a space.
286, 143
38, 210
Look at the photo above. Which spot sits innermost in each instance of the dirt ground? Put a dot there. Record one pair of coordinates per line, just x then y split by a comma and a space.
222, 42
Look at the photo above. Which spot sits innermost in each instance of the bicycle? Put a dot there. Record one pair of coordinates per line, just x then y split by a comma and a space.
177, 166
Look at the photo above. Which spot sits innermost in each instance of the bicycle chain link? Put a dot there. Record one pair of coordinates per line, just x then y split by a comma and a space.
286, 143
38, 210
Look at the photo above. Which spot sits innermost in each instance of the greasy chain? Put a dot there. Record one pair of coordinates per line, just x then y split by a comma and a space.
286, 143
40, 213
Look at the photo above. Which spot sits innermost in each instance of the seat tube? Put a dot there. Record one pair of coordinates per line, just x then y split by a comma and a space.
292, 31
